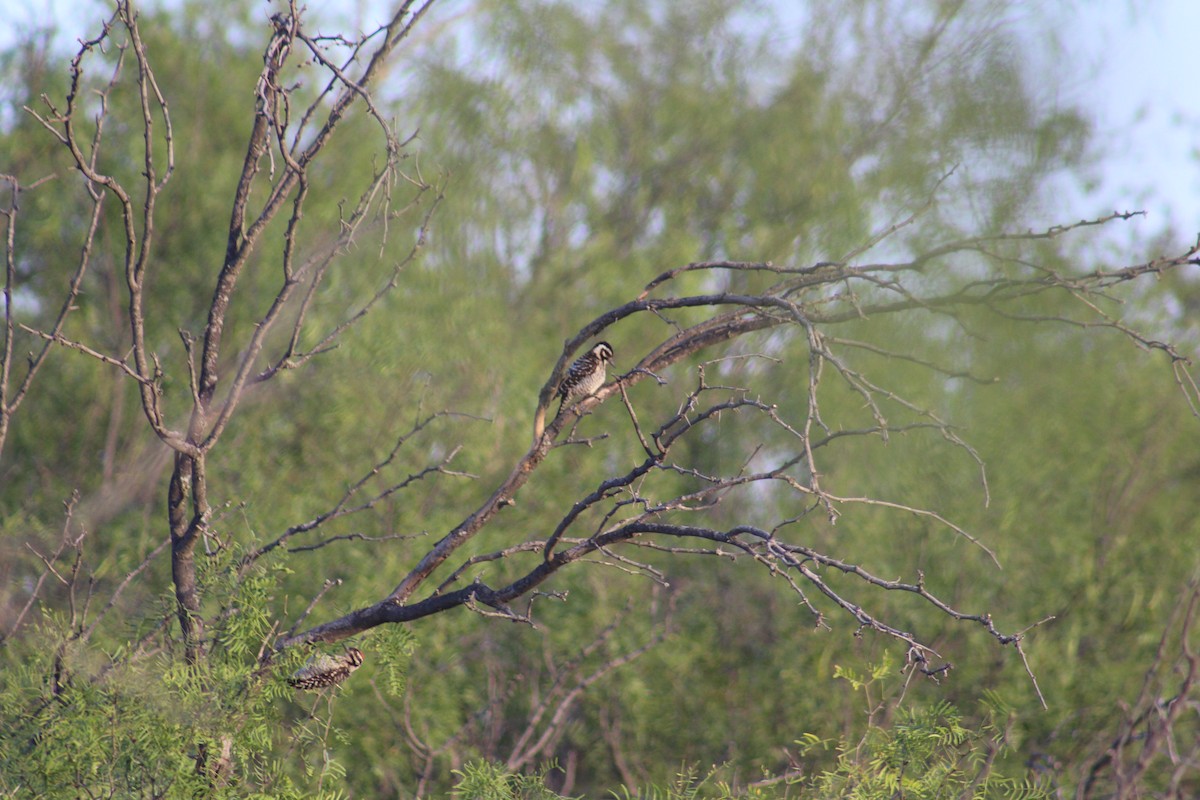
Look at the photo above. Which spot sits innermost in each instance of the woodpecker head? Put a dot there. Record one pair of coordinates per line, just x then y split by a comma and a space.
354, 656
603, 352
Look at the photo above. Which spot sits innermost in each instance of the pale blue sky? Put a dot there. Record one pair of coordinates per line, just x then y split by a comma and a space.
1138, 75
1132, 69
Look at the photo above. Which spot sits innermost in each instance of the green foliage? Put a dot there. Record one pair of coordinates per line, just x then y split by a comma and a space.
393, 646
921, 751
690, 783
924, 754
138, 720
483, 780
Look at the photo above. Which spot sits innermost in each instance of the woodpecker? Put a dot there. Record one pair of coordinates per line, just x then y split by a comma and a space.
586, 375
326, 670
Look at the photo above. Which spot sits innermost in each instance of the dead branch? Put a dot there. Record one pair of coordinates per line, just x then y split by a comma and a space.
1154, 726
67, 541
342, 508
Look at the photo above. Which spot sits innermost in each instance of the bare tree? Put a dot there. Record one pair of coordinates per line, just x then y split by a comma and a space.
290, 143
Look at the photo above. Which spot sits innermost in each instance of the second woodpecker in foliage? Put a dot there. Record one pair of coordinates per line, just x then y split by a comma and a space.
325, 670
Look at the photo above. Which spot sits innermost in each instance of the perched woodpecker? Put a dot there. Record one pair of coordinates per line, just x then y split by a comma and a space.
586, 375
326, 670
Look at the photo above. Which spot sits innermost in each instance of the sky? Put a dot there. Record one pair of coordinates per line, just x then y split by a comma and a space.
1139, 78
1129, 61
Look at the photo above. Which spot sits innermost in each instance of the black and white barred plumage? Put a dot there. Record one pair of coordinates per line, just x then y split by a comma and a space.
586, 375
326, 670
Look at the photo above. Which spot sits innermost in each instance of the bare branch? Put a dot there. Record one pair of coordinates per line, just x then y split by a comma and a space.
66, 541
83, 348
10, 400
292, 357
355, 537
116, 593
329, 584
342, 508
